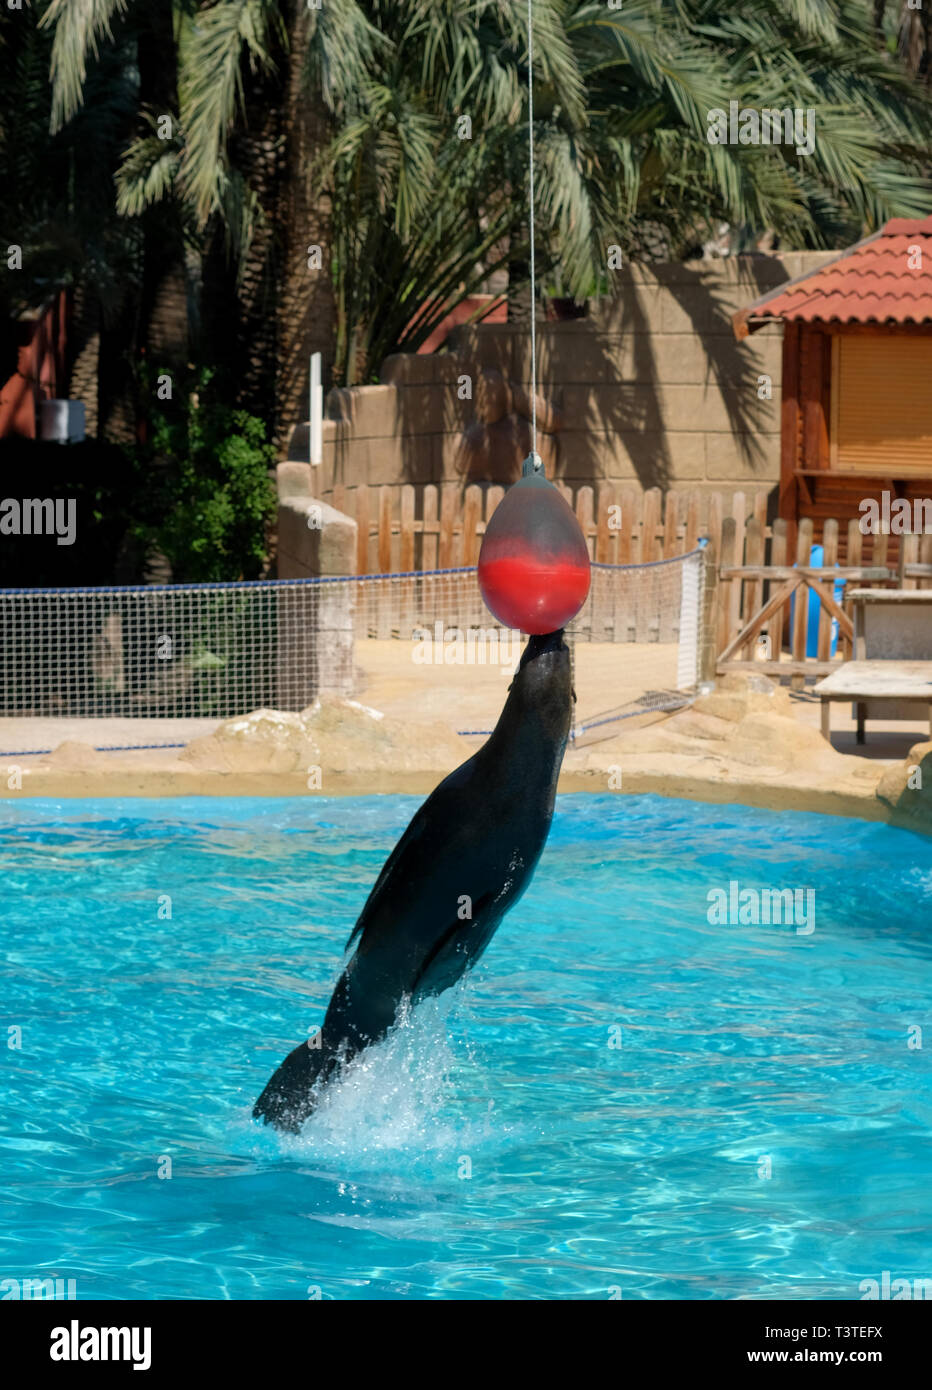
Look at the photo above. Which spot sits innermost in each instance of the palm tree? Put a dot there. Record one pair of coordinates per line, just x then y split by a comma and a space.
238, 81
343, 127
908, 33
135, 49
57, 201
622, 151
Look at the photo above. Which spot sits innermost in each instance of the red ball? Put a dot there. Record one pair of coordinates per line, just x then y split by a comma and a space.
534, 563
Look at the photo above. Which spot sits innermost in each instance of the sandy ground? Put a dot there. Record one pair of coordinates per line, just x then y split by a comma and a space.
749, 742
607, 677
40, 735
462, 697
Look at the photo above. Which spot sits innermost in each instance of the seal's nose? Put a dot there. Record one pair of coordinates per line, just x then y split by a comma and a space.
545, 642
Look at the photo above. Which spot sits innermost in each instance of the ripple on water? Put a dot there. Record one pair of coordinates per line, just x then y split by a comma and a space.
762, 1131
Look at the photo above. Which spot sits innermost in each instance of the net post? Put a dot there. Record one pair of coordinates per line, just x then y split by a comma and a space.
708, 655
688, 647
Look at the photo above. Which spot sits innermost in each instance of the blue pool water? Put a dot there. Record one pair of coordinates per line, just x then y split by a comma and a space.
763, 1131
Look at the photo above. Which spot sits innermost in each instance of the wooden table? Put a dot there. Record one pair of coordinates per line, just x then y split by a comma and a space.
892, 653
858, 681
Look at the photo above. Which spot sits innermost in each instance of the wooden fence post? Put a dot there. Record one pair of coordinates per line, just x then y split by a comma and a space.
624, 551
925, 557
754, 588
650, 521
726, 586
778, 557
362, 531
670, 524
909, 555
691, 533
406, 563
714, 524
604, 537
829, 557
430, 536
472, 514
445, 557
801, 609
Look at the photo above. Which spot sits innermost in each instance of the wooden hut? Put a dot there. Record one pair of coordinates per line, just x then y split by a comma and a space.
857, 376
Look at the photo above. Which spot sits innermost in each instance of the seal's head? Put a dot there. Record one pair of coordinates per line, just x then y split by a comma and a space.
543, 684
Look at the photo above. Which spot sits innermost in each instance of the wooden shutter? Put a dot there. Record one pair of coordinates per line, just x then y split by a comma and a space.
882, 404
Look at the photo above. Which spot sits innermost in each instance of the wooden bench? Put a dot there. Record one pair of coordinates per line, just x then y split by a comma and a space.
890, 676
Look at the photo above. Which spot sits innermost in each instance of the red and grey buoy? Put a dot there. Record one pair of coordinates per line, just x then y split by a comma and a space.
534, 564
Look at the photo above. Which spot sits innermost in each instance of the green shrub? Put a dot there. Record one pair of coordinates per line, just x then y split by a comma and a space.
207, 495
198, 491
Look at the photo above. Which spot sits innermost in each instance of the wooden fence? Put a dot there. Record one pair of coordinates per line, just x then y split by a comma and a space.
407, 528
759, 610
761, 605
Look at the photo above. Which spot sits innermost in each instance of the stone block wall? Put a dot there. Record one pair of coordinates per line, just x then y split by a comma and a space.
651, 387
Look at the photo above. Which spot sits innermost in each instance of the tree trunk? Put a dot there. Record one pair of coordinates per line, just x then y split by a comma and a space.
519, 292
306, 311
152, 325
162, 325
84, 355
257, 154
914, 42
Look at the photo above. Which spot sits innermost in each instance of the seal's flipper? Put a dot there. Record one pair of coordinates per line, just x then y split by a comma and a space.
287, 1101
408, 840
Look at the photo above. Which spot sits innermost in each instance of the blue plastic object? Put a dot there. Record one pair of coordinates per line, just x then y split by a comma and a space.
816, 559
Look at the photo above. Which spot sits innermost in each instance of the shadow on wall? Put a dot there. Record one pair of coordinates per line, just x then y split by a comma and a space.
634, 409
733, 363
661, 393
643, 388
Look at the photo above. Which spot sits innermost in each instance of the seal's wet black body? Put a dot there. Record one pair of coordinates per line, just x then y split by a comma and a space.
471, 848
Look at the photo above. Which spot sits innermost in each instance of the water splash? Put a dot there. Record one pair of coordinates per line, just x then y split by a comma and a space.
413, 1094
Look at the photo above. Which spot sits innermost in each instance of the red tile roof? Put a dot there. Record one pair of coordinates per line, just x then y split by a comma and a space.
871, 282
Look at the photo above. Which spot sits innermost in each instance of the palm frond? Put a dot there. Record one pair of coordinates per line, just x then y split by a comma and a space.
213, 46
79, 27
343, 48
148, 170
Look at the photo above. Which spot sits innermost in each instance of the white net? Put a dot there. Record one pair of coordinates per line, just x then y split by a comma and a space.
218, 650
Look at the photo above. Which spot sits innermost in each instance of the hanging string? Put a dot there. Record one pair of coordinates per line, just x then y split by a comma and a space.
533, 463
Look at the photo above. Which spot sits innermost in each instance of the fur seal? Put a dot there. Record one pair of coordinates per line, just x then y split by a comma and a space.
465, 859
